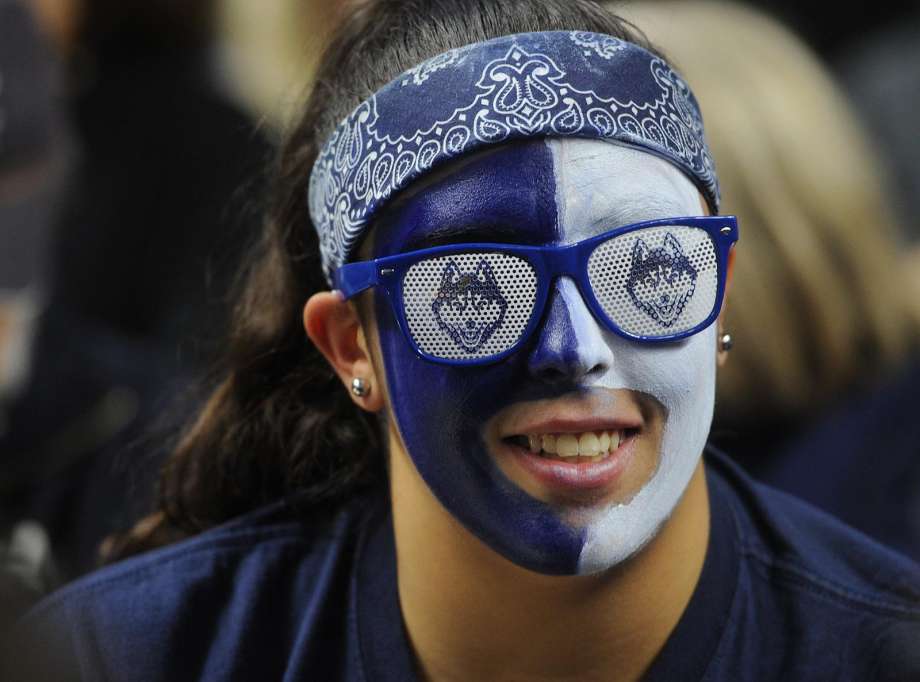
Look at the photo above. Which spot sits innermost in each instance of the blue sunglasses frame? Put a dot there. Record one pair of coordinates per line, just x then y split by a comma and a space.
549, 263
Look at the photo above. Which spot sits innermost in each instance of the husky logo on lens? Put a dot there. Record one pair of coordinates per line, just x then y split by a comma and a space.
469, 306
661, 280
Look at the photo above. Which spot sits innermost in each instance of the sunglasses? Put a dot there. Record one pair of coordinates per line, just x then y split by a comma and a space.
474, 304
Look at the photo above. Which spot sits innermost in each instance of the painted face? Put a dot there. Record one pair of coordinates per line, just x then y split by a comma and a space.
478, 436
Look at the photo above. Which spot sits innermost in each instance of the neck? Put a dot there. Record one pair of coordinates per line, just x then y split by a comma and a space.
471, 614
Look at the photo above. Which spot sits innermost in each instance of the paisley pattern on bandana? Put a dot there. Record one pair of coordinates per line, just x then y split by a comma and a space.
603, 46
522, 86
423, 71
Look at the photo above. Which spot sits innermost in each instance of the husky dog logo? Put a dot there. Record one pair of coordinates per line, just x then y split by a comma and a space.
469, 306
661, 280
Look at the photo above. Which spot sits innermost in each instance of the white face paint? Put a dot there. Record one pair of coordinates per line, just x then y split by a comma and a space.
600, 186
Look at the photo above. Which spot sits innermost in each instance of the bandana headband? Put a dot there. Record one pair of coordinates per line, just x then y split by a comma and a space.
552, 84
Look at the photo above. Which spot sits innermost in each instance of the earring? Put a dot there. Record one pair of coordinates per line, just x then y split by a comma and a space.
726, 342
359, 387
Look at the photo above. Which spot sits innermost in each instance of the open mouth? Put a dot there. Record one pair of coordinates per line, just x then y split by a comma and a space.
574, 448
585, 448
581, 467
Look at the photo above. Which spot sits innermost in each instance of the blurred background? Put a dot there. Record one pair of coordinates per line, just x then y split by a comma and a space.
133, 140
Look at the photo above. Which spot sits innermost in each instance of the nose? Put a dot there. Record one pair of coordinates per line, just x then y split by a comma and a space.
570, 346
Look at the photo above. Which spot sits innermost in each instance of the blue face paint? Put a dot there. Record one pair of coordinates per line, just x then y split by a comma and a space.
509, 194
561, 356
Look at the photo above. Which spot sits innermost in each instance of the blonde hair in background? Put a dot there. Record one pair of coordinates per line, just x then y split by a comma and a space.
818, 303
270, 49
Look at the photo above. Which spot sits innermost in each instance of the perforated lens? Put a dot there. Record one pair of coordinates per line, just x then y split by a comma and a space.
468, 306
656, 282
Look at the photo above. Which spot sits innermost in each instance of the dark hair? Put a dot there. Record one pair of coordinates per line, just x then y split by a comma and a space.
277, 420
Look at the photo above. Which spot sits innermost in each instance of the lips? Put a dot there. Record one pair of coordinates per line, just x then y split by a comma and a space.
574, 447
582, 465
574, 475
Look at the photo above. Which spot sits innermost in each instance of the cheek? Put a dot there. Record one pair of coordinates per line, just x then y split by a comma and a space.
438, 407
440, 412
674, 373
681, 377
691, 397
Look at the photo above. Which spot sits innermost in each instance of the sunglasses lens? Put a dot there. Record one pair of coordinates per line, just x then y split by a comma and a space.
468, 306
656, 282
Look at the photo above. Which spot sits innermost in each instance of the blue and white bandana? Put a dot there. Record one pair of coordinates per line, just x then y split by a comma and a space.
551, 84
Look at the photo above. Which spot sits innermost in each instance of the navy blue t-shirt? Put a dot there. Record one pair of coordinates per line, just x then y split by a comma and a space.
786, 593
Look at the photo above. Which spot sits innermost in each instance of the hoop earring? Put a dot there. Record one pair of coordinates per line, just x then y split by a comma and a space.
726, 342
359, 387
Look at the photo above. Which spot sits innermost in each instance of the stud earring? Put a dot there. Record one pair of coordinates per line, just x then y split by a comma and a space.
359, 387
726, 342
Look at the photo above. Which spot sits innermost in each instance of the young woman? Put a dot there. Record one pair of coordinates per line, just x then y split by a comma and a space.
475, 452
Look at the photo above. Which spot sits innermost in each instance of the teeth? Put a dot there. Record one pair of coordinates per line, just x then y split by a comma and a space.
604, 442
589, 445
567, 445
595, 446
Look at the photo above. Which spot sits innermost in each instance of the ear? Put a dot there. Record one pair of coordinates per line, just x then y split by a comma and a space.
484, 272
672, 246
333, 326
722, 356
640, 251
451, 274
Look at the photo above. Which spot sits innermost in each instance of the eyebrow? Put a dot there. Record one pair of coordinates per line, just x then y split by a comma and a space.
492, 234
639, 212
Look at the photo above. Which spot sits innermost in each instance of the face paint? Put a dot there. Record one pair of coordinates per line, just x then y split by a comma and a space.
540, 193
507, 194
680, 376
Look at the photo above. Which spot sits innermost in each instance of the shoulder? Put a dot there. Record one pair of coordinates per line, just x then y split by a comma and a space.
236, 593
808, 584
251, 544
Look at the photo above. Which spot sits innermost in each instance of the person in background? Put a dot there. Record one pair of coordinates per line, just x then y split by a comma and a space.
33, 151
881, 72
32, 164
825, 324
270, 49
162, 202
149, 234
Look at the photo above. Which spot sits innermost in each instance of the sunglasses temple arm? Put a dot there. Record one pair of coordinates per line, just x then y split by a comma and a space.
353, 278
